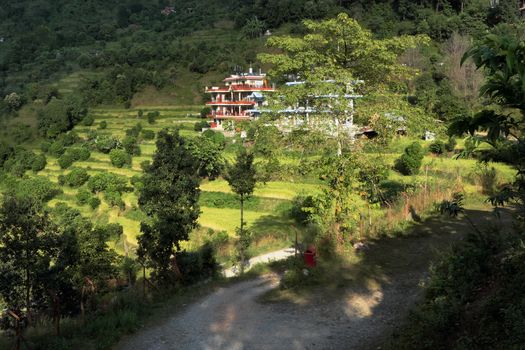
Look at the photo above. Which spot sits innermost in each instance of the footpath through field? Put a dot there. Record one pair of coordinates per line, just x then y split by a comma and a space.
359, 315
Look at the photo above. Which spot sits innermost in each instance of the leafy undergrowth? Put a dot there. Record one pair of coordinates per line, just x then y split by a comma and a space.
474, 299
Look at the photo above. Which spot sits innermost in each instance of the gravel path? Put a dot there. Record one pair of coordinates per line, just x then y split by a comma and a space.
360, 317
265, 258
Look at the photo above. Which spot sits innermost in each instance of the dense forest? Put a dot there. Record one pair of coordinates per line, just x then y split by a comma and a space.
55, 143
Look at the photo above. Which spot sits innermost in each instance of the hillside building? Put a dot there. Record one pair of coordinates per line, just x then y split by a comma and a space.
240, 98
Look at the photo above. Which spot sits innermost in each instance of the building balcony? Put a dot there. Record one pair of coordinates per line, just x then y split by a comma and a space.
230, 103
234, 116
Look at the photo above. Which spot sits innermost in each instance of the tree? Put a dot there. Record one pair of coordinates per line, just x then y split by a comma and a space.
500, 54
169, 198
28, 246
14, 101
208, 155
119, 157
241, 177
410, 161
332, 61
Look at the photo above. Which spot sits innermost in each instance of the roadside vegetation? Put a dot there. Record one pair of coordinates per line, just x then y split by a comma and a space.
113, 200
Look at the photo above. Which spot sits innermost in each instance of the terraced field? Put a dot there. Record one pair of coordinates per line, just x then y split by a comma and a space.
265, 211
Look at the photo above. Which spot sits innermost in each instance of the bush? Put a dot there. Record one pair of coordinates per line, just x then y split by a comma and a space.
79, 153
107, 181
152, 117
94, 202
77, 177
145, 164
148, 134
451, 144
217, 137
88, 120
39, 163
134, 131
437, 147
205, 112
44, 146
83, 196
410, 161
65, 160
103, 125
61, 180
105, 144
201, 125
57, 148
131, 146
119, 157
199, 265
299, 211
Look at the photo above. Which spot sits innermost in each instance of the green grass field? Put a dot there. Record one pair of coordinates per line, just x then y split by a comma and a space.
265, 213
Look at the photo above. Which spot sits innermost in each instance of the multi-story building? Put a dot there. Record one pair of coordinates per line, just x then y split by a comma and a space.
240, 98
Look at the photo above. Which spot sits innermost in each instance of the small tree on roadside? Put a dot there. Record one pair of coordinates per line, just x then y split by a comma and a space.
241, 177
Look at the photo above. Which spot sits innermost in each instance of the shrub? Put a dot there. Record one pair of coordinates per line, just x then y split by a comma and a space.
134, 131
88, 120
205, 112
300, 209
217, 137
103, 125
131, 146
44, 146
38, 187
200, 125
119, 157
39, 163
152, 117
94, 202
61, 180
451, 144
437, 147
65, 160
79, 153
199, 265
83, 196
148, 134
70, 138
77, 177
410, 161
105, 144
114, 199
107, 181
145, 164
57, 148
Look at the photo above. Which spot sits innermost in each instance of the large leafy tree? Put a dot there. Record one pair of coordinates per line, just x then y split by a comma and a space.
501, 54
335, 61
170, 199
28, 247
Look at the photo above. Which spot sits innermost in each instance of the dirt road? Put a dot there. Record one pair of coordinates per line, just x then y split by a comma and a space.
360, 317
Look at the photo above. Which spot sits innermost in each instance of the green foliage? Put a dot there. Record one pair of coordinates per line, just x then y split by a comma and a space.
437, 147
79, 153
131, 145
105, 144
170, 199
134, 131
57, 148
39, 163
76, 177
410, 161
148, 134
372, 173
217, 137
94, 202
88, 120
107, 181
208, 156
59, 116
481, 278
199, 265
119, 158
65, 160
28, 246
201, 125
205, 111
102, 125
37, 188
152, 117
450, 146
83, 196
